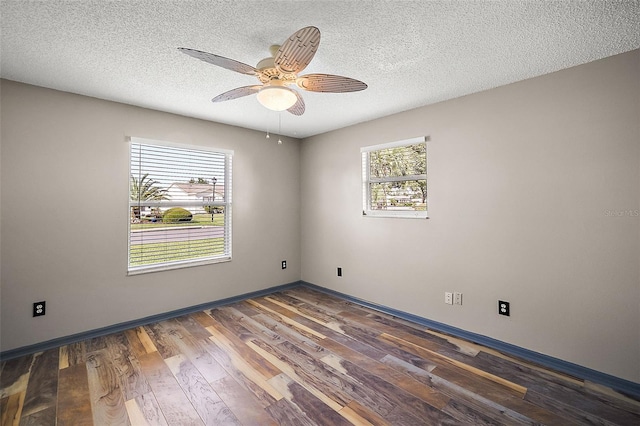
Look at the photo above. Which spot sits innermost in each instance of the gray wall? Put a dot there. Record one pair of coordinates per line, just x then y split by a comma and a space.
533, 190
534, 194
64, 214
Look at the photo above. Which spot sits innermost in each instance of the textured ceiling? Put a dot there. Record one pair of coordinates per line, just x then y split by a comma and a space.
410, 53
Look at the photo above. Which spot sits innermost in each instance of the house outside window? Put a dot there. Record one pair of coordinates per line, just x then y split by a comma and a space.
394, 179
179, 205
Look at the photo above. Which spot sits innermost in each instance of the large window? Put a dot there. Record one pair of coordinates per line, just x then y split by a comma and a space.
179, 205
394, 179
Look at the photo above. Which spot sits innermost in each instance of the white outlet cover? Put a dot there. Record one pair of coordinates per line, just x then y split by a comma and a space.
448, 298
457, 298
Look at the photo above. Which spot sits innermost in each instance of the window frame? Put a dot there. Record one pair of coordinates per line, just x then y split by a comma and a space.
226, 203
367, 180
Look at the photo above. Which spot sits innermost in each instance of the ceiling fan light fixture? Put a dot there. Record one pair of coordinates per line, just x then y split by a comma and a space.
277, 98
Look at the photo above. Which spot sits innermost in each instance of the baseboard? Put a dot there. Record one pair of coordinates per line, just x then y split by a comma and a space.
623, 386
61, 341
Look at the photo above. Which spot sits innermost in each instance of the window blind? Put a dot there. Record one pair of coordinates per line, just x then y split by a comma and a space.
179, 205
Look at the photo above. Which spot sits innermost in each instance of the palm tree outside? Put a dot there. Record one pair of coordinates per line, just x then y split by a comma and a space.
145, 189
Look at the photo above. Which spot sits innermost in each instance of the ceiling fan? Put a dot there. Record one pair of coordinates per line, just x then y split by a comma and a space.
281, 70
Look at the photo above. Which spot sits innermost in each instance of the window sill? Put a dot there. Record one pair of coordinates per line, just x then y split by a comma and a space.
397, 215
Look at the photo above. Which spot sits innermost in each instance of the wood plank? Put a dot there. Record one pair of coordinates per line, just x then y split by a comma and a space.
362, 346
74, 400
239, 364
135, 337
392, 388
313, 408
107, 401
427, 352
44, 417
231, 318
312, 309
242, 403
340, 387
11, 409
284, 318
291, 371
203, 398
15, 375
292, 335
364, 413
42, 388
63, 357
126, 367
193, 348
400, 387
95, 344
484, 398
578, 414
551, 390
284, 412
244, 307
145, 411
333, 325
196, 330
75, 354
467, 414
329, 304
203, 318
162, 341
245, 379
238, 346
175, 406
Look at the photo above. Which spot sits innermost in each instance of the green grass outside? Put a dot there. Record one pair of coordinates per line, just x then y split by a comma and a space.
144, 254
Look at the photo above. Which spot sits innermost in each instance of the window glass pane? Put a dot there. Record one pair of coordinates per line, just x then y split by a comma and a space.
410, 195
399, 161
179, 235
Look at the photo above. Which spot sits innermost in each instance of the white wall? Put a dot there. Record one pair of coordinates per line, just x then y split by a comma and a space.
523, 181
64, 214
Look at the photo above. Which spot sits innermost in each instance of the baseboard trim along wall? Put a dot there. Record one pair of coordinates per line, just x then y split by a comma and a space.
61, 341
621, 385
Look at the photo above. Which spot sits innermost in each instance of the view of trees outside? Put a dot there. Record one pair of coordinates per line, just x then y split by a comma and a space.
145, 189
171, 234
398, 178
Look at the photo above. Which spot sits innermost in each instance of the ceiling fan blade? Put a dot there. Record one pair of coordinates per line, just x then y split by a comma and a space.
220, 61
298, 50
298, 107
329, 83
238, 92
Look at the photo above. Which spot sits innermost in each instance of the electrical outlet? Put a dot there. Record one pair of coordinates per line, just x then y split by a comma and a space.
339, 272
448, 298
503, 308
39, 309
284, 264
457, 298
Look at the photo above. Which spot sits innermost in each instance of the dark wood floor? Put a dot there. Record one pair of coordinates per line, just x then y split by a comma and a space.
297, 357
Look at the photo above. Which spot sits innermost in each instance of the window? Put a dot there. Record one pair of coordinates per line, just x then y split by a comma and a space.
179, 206
394, 179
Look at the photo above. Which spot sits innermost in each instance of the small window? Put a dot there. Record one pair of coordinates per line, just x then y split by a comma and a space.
179, 206
394, 179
